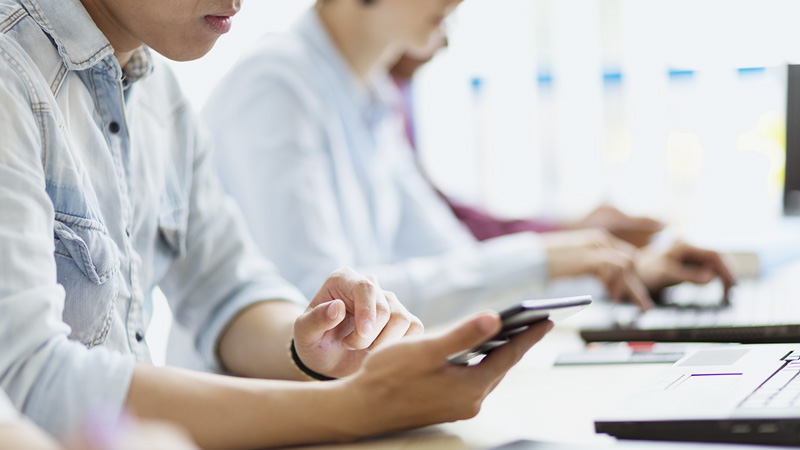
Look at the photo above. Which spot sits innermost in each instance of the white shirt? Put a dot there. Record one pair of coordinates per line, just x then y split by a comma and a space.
322, 170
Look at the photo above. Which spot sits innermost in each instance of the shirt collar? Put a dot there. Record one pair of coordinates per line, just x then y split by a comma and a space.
375, 99
80, 43
139, 66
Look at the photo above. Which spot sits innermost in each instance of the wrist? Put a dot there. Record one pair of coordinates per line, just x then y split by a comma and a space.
336, 411
307, 372
361, 403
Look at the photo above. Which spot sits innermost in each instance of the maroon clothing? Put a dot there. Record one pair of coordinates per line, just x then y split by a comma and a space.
485, 226
482, 224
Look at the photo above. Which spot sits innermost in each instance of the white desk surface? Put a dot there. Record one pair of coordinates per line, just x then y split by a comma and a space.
542, 402
536, 401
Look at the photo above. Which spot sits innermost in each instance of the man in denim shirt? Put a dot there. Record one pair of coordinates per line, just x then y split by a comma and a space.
106, 191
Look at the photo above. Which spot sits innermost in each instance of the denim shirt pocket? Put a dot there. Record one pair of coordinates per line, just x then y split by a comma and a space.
88, 262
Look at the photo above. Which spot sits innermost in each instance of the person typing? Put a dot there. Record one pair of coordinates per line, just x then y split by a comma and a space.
317, 155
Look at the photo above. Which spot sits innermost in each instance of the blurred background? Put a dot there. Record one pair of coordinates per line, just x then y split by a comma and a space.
669, 108
672, 108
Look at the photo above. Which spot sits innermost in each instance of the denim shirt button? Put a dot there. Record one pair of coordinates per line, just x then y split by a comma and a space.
139, 336
113, 127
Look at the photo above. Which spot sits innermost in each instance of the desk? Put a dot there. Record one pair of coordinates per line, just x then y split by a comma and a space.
536, 401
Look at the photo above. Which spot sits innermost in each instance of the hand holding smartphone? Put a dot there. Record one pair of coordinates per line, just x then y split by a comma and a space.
519, 317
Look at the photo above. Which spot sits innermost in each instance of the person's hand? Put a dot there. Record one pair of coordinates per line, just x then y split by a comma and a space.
683, 262
597, 253
410, 383
350, 316
635, 230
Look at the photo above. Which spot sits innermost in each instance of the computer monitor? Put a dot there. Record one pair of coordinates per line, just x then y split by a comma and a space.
791, 187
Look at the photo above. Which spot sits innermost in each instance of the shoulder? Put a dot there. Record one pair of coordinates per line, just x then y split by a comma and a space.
28, 59
278, 79
22, 86
10, 10
281, 51
16, 66
280, 60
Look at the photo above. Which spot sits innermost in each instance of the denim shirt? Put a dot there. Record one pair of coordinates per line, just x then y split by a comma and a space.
106, 191
320, 158
7, 412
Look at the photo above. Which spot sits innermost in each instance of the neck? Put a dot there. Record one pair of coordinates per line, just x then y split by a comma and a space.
123, 43
364, 49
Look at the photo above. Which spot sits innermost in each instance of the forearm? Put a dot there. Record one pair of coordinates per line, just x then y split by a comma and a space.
25, 435
235, 413
256, 343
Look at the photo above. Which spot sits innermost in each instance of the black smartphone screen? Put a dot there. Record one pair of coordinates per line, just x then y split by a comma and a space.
519, 317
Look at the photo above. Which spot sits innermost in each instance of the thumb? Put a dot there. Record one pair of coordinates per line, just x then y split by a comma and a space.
313, 323
464, 336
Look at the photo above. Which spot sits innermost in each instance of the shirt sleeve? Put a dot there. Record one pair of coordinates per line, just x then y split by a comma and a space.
449, 273
222, 272
48, 378
276, 158
8, 414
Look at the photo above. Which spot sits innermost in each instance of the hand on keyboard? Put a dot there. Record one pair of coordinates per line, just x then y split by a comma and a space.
683, 262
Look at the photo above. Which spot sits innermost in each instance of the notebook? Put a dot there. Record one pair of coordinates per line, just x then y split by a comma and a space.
744, 394
759, 310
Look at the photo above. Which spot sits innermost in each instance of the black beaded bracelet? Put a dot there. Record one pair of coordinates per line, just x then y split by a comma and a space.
304, 368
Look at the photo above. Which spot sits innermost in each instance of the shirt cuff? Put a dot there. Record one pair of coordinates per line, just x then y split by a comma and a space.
209, 338
518, 258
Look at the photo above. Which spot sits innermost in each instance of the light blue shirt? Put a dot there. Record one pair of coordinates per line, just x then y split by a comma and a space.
106, 191
323, 172
8, 414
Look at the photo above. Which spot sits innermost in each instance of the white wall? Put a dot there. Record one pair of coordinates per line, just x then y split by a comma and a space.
685, 150
254, 20
649, 144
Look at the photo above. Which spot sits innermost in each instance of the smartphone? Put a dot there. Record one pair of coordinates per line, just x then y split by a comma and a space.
520, 317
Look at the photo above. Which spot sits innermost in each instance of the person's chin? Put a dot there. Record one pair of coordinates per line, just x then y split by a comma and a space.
188, 54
